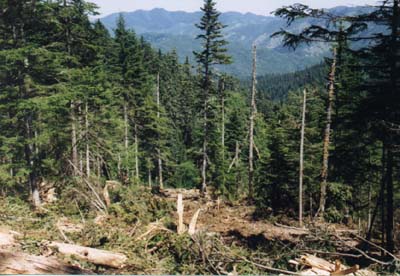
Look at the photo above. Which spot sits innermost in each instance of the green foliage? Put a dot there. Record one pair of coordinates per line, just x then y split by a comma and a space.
133, 204
186, 176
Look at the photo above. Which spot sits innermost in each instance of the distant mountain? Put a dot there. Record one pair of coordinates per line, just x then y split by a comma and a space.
175, 30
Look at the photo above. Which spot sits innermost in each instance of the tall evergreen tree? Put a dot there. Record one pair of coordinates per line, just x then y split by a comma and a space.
213, 52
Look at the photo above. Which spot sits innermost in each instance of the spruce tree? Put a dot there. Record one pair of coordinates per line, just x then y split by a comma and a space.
213, 53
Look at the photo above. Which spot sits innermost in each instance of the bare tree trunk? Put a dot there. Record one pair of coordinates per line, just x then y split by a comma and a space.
87, 140
98, 166
136, 154
205, 141
30, 148
126, 127
303, 124
325, 164
160, 169
222, 94
32, 177
74, 140
253, 111
149, 177
80, 136
369, 206
126, 137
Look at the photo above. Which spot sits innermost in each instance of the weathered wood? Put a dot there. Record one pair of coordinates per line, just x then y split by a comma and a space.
179, 210
7, 239
92, 255
21, 263
303, 124
346, 271
193, 222
316, 262
253, 110
315, 271
192, 194
320, 266
87, 139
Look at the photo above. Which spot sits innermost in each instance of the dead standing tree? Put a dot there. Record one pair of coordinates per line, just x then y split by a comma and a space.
327, 135
160, 169
253, 110
303, 124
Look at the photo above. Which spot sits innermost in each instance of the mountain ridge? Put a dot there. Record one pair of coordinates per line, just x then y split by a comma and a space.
169, 30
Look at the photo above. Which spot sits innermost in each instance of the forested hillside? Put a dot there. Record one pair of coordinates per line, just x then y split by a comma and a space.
276, 87
169, 30
101, 135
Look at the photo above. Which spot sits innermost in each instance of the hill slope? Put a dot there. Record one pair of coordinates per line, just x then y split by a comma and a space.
175, 30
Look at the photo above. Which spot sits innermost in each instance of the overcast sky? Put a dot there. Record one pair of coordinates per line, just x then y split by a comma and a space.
263, 7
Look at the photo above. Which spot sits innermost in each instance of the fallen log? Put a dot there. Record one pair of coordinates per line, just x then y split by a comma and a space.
21, 263
187, 194
315, 262
7, 239
92, 255
322, 267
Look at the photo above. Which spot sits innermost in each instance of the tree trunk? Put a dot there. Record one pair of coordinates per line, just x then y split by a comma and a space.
303, 124
126, 127
136, 154
80, 136
369, 205
381, 194
149, 177
222, 94
74, 140
29, 146
389, 203
14, 262
325, 165
253, 111
204, 165
29, 151
92, 255
160, 169
126, 138
87, 140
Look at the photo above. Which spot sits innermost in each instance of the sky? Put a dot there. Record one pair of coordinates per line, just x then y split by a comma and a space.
263, 7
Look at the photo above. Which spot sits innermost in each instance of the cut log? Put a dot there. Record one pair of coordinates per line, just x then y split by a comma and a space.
322, 267
192, 194
316, 262
92, 255
315, 271
7, 239
347, 271
21, 263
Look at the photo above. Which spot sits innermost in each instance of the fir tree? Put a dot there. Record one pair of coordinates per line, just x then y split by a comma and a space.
213, 52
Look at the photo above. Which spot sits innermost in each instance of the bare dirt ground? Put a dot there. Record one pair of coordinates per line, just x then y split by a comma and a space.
239, 220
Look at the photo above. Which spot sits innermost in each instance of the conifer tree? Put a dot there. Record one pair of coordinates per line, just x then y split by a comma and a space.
213, 52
